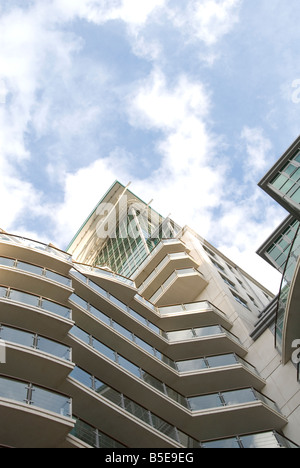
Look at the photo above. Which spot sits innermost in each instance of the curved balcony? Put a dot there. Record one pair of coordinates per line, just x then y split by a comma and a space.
29, 250
287, 320
39, 280
187, 283
35, 417
35, 357
25, 310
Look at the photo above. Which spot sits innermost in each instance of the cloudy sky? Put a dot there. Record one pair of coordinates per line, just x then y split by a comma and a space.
190, 100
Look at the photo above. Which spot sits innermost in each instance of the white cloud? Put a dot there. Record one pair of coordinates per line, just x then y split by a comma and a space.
257, 146
206, 20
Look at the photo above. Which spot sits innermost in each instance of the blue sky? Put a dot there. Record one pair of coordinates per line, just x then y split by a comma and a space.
192, 101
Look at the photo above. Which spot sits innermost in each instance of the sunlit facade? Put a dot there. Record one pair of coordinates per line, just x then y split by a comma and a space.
137, 337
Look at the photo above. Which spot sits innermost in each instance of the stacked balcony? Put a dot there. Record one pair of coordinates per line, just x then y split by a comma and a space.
91, 362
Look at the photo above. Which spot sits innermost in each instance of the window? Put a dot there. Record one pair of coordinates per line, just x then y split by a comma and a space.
240, 300
228, 282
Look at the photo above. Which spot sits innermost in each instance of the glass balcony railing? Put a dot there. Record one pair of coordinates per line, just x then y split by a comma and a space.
234, 397
190, 307
33, 395
181, 335
265, 440
35, 301
106, 274
23, 242
32, 340
35, 270
130, 407
129, 366
171, 337
285, 288
193, 365
94, 437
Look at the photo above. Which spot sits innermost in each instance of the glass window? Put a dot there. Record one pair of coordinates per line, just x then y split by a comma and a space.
279, 181
296, 196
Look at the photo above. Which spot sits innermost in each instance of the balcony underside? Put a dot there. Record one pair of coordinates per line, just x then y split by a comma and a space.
36, 366
148, 289
31, 318
159, 253
30, 427
114, 421
40, 286
232, 420
184, 288
35, 256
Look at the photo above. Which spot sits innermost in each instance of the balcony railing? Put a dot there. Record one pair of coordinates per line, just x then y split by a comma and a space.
183, 366
31, 300
234, 397
101, 272
264, 440
184, 334
24, 242
33, 395
35, 270
34, 341
133, 408
94, 437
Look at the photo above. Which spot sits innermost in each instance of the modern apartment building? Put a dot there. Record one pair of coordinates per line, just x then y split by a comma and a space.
139, 336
